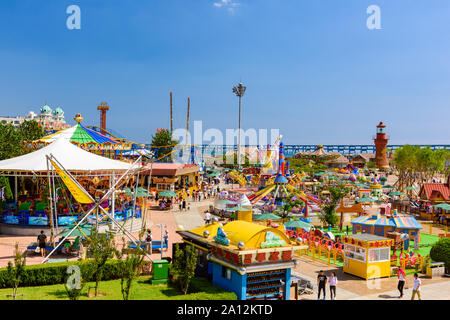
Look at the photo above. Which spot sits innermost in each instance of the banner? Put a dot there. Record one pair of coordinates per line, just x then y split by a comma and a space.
77, 192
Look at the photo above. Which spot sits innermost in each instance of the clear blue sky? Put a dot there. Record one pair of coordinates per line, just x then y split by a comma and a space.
312, 67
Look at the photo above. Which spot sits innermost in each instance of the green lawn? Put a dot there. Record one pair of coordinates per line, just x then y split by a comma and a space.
141, 290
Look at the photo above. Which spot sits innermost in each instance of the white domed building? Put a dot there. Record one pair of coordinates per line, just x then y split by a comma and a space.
46, 113
49, 119
58, 115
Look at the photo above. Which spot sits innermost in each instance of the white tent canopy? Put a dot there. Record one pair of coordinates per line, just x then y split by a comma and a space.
244, 201
70, 156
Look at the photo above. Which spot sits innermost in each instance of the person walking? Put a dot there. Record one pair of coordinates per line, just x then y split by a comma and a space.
333, 283
41, 242
416, 287
321, 283
184, 204
401, 281
208, 218
148, 240
166, 239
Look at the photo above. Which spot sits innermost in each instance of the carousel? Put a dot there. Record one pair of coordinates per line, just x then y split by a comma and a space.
35, 196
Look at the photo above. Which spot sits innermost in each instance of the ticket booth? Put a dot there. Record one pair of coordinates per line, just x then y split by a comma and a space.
367, 256
251, 260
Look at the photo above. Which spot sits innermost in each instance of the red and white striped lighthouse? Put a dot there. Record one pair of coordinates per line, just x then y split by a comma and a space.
381, 141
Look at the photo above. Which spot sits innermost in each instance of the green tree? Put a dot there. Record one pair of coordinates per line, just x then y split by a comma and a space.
287, 207
16, 272
130, 267
31, 130
183, 267
11, 144
440, 252
308, 166
101, 247
416, 165
164, 143
328, 215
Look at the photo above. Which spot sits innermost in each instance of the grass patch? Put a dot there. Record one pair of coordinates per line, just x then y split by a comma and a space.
142, 290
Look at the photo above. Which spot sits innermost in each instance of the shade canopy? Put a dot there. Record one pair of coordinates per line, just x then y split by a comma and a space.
69, 155
396, 193
226, 202
444, 206
167, 194
141, 192
365, 200
388, 186
267, 216
82, 230
297, 224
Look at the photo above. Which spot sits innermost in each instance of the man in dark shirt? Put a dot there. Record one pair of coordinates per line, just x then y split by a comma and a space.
321, 283
41, 242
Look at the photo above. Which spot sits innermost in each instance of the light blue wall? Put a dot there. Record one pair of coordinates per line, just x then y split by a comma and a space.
237, 283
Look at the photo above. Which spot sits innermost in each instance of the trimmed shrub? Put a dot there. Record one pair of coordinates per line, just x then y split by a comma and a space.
440, 252
56, 273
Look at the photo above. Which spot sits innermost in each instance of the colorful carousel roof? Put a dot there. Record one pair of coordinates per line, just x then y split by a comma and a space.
78, 134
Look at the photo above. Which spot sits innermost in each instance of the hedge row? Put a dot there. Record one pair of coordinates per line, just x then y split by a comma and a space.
56, 273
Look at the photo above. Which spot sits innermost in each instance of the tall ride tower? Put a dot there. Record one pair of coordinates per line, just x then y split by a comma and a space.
381, 141
103, 107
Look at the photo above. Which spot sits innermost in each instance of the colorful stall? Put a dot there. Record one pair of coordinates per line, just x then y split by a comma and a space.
248, 259
367, 256
381, 225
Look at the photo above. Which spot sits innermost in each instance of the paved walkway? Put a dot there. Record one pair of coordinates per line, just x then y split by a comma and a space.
353, 288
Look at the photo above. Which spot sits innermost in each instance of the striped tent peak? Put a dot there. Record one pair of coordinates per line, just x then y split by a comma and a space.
383, 221
407, 223
360, 220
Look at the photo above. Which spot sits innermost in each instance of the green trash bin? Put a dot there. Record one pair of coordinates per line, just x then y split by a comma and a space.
160, 271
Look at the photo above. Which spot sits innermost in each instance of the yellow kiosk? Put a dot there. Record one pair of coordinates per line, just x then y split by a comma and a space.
367, 256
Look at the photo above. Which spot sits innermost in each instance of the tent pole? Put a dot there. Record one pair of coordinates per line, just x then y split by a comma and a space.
106, 196
133, 212
55, 202
147, 211
51, 201
15, 189
113, 204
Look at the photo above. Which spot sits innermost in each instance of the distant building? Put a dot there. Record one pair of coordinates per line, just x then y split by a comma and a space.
362, 159
49, 119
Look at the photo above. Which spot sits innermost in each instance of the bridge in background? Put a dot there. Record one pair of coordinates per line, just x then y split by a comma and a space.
291, 150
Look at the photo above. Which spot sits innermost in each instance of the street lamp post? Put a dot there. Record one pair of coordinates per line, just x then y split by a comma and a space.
239, 90
162, 226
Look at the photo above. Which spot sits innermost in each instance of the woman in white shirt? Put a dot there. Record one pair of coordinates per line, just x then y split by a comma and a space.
333, 282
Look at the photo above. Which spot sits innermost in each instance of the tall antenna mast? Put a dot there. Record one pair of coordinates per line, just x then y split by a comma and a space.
171, 114
187, 123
